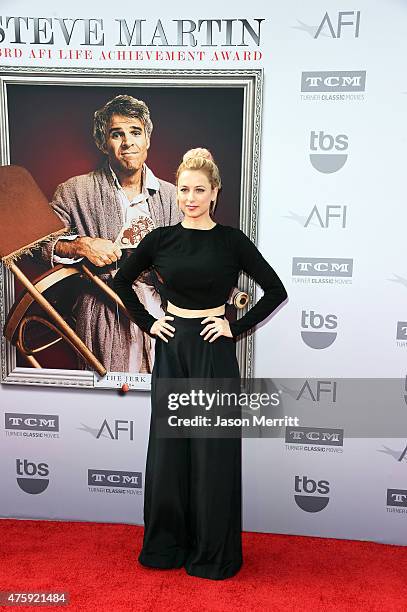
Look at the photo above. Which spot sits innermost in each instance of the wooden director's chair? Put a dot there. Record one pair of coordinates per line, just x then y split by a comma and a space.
26, 221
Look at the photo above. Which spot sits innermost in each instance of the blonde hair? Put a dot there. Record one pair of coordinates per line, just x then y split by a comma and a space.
200, 159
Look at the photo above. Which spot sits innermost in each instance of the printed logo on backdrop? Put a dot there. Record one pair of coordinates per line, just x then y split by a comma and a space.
117, 429
399, 279
317, 329
314, 439
31, 425
311, 495
31, 476
329, 161
323, 217
116, 482
343, 24
333, 85
401, 334
322, 271
399, 455
318, 389
397, 501
314, 391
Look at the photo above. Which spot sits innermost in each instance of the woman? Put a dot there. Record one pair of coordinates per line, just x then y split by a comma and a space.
192, 506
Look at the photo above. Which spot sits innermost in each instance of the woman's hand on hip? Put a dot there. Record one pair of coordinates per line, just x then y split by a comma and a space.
215, 328
161, 327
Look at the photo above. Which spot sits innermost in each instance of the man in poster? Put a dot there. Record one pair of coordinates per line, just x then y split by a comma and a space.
108, 212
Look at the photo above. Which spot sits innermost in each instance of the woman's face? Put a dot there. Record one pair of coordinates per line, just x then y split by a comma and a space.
195, 193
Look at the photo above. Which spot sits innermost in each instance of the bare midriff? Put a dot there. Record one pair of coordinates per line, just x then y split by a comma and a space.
192, 313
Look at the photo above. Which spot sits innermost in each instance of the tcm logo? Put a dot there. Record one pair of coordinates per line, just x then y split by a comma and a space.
334, 26
311, 502
314, 435
314, 321
333, 81
314, 266
397, 498
32, 422
327, 162
401, 330
114, 478
28, 476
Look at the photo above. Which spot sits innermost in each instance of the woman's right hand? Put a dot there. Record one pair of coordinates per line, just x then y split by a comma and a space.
161, 327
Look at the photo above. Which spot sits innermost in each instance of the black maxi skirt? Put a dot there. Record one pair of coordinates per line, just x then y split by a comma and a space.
193, 500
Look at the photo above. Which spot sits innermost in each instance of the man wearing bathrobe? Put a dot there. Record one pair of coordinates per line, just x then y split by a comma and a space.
108, 212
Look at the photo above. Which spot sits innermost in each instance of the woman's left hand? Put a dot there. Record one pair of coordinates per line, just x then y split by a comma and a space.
216, 327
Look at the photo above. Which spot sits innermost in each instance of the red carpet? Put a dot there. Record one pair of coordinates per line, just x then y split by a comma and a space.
97, 564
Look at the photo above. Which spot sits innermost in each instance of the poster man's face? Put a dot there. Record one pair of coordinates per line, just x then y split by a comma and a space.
126, 144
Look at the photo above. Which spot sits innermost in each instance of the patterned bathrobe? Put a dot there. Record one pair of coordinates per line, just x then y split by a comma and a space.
88, 205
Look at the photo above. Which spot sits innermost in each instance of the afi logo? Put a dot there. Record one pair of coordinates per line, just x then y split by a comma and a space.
333, 26
315, 390
333, 214
114, 432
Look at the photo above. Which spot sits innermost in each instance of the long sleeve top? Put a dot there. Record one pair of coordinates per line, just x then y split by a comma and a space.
198, 269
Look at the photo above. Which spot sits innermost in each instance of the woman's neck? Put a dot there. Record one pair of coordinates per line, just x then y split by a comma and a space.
198, 223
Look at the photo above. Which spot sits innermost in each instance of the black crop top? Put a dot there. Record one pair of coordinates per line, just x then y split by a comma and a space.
198, 269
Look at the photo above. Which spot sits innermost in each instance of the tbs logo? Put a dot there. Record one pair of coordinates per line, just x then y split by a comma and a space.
28, 476
327, 162
311, 502
315, 321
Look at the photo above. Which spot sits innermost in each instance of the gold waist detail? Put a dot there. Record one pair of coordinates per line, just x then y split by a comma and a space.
188, 313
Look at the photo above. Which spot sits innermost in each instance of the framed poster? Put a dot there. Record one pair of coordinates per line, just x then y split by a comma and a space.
46, 127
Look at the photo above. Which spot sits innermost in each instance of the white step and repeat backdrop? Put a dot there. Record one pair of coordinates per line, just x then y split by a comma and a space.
332, 217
